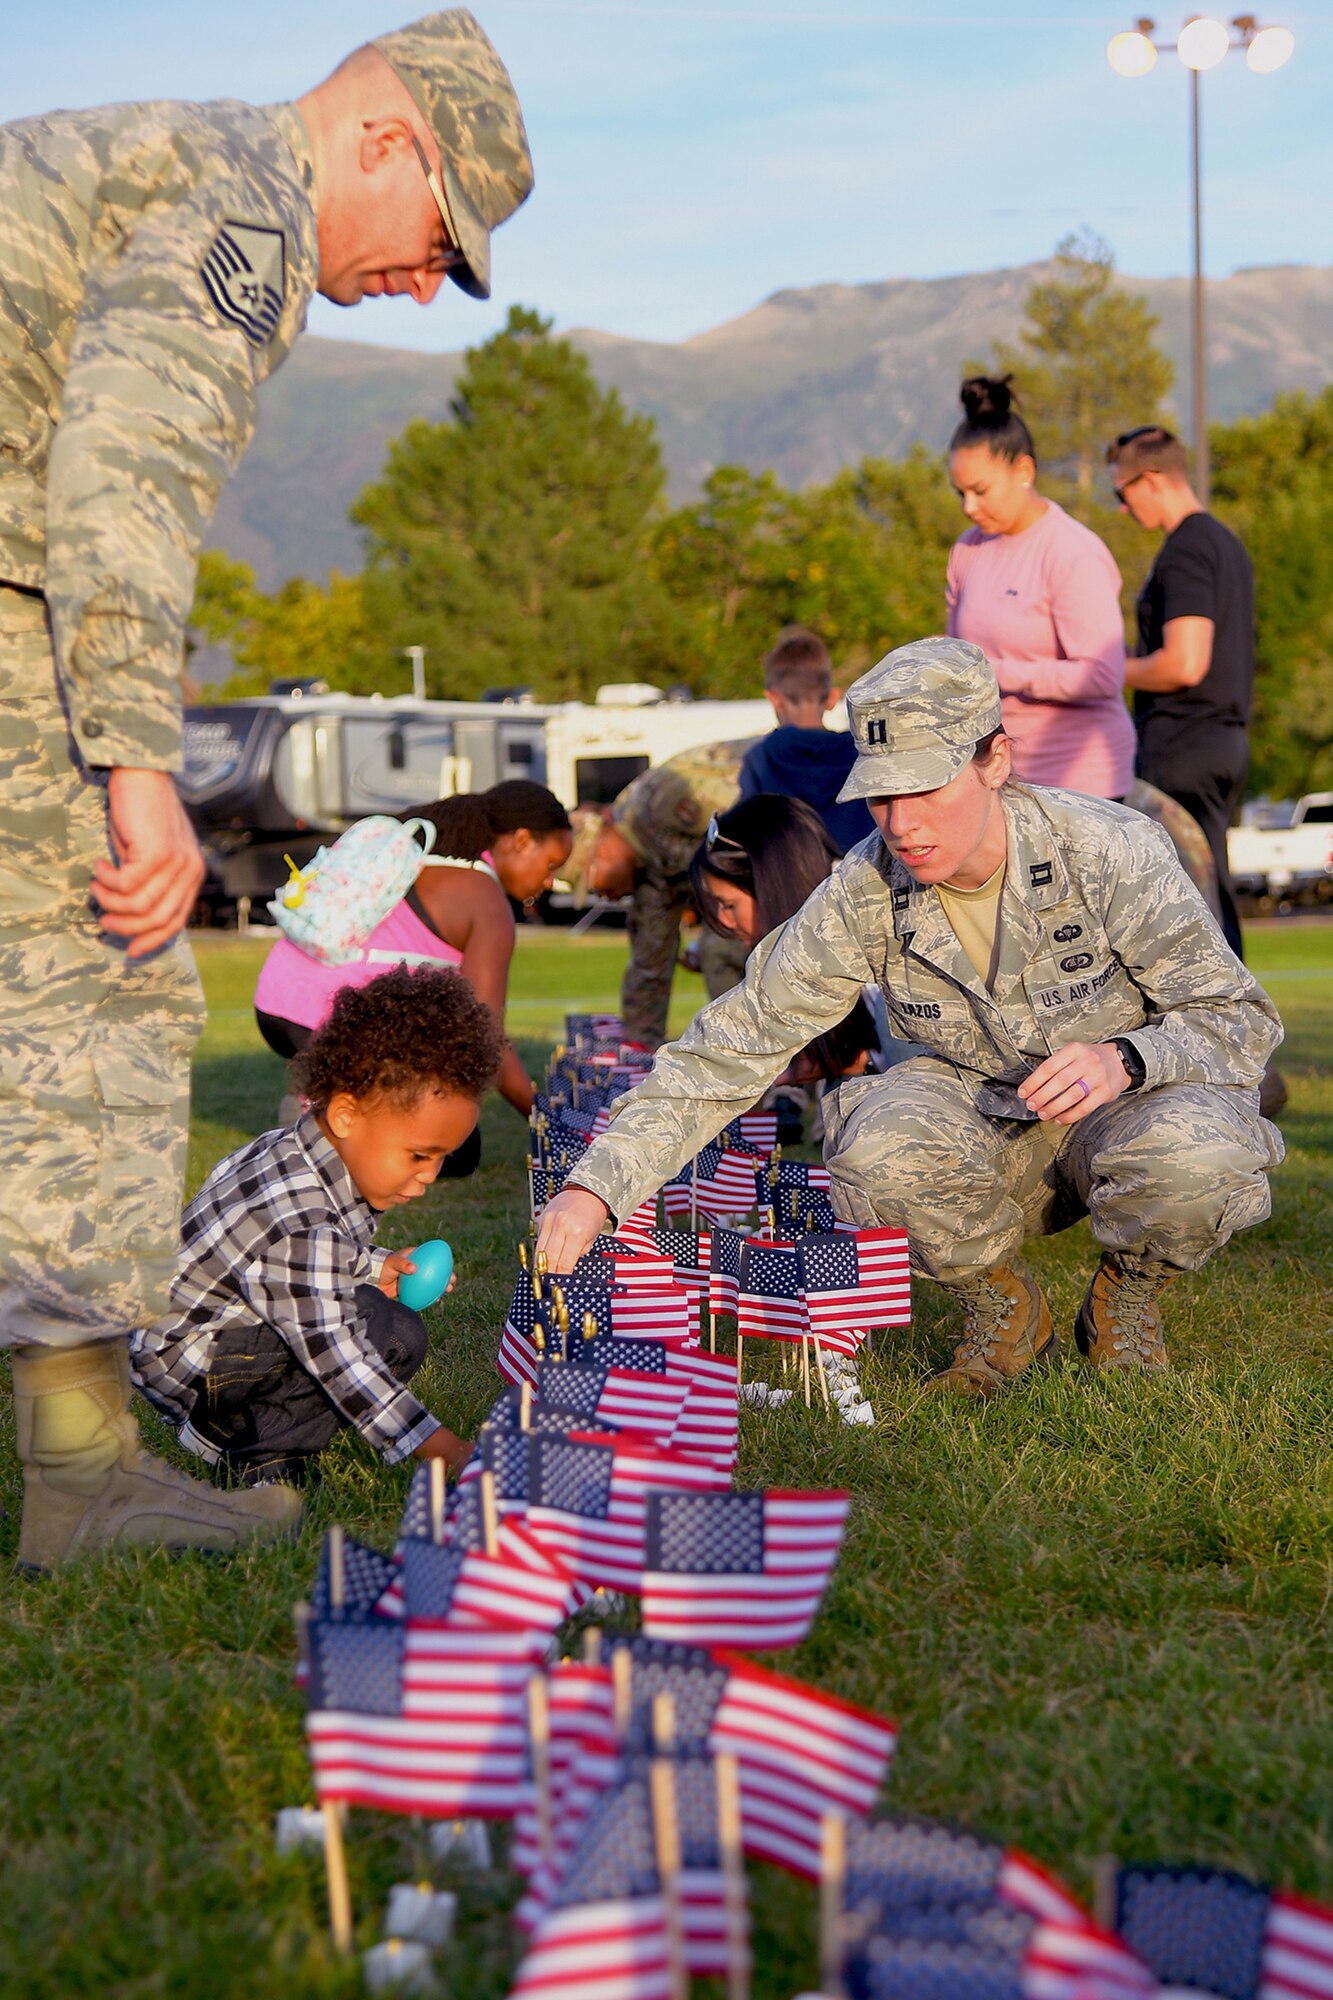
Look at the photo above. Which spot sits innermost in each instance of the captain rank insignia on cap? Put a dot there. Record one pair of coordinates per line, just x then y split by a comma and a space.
245, 275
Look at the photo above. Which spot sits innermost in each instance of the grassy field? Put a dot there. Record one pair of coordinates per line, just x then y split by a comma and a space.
1099, 1610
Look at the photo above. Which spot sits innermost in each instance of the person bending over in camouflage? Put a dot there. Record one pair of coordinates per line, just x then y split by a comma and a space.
156, 262
642, 848
1091, 1044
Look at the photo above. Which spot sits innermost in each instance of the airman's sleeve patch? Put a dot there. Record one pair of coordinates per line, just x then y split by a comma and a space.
245, 275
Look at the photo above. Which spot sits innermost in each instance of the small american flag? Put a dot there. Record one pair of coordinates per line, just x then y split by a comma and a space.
739, 1569
1082, 1962
517, 1359
522, 1585
686, 1250
708, 1425
419, 1719
800, 1754
752, 1132
770, 1304
853, 1282
1207, 1927
613, 1262
720, 1182
588, 1498
546, 1185
583, 1030
606, 1939
643, 1399
366, 1575
580, 1715
797, 1210
724, 1270
900, 1862
666, 1313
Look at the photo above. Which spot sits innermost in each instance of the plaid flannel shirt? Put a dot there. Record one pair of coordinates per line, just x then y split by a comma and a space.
278, 1232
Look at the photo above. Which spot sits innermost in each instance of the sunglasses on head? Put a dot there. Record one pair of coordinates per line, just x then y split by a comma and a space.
716, 838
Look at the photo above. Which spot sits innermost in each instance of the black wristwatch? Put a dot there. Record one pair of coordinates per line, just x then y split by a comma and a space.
1132, 1061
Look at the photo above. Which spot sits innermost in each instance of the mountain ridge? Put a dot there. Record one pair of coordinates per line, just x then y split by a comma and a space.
810, 379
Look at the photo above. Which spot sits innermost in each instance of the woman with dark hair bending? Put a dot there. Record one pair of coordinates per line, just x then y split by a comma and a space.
507, 843
756, 867
1040, 594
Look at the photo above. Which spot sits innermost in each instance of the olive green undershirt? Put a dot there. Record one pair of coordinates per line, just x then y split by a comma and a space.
975, 917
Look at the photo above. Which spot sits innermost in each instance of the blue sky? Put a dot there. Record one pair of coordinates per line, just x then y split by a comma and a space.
693, 158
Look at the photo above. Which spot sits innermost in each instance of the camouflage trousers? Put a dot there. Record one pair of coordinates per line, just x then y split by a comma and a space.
94, 1046
1165, 1175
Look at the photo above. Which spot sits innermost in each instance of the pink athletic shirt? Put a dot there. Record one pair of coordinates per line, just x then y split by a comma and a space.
1044, 607
297, 988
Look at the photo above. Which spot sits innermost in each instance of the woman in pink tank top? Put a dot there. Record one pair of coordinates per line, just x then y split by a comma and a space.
508, 842
1040, 594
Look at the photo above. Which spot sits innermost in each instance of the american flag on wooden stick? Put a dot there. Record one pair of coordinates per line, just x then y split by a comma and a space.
419, 1719
801, 1754
770, 1304
521, 1585
739, 1569
854, 1281
588, 1496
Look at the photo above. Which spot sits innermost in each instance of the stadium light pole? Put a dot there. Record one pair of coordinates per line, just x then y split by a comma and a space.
1201, 44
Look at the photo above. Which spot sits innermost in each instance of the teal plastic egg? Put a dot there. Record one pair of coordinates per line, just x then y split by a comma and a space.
430, 1280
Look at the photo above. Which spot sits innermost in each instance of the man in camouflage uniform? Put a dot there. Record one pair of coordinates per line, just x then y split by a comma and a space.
156, 262
642, 849
1092, 1046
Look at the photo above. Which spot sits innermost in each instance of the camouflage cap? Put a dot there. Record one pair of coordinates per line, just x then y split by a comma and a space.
917, 717
464, 92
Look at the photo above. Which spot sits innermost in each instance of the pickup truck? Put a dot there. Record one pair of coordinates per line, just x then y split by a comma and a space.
1286, 851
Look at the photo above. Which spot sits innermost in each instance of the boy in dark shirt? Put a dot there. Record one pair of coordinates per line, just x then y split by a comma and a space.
1194, 674
285, 1324
800, 758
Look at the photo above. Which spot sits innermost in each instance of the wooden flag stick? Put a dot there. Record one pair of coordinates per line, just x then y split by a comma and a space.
335, 1865
337, 1570
733, 1876
832, 1879
301, 1620
819, 1364
694, 1193
525, 1407
666, 1841
437, 1500
622, 1690
532, 1198
740, 1356
539, 1726
488, 1521
712, 1331
805, 1367
592, 1645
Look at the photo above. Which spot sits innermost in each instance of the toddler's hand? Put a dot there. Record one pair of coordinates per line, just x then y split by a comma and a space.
396, 1265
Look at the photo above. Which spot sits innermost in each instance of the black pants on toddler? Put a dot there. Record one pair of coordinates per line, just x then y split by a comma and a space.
267, 1415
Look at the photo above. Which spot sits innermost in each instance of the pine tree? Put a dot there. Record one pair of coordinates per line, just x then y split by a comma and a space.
510, 540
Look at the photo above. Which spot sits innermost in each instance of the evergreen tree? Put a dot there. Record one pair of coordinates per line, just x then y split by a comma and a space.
1086, 364
510, 541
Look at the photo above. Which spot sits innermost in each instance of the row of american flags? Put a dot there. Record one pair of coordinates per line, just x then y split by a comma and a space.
477, 1671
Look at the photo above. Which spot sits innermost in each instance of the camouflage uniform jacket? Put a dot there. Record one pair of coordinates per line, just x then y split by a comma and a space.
156, 261
663, 815
1102, 935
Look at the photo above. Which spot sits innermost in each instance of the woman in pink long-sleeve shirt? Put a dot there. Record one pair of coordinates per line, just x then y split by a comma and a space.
1040, 594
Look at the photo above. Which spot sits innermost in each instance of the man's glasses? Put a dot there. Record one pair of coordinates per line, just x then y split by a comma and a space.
1121, 491
450, 256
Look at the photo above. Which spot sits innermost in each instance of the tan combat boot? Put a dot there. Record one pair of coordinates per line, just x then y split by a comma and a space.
89, 1484
1007, 1328
1118, 1324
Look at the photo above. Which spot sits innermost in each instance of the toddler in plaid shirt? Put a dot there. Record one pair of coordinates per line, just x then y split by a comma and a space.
285, 1323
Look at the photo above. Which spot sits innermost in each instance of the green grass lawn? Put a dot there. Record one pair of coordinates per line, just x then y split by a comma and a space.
1099, 1609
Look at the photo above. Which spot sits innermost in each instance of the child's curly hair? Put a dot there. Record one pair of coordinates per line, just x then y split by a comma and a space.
412, 1030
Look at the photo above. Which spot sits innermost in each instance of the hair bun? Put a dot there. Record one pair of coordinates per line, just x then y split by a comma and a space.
987, 400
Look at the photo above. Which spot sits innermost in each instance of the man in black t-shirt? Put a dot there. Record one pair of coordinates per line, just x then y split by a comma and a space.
1195, 669
1194, 674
